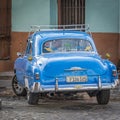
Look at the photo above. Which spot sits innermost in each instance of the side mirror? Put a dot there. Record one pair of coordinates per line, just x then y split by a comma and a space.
19, 54
107, 55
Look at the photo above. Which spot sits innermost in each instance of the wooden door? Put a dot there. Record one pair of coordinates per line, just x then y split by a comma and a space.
5, 29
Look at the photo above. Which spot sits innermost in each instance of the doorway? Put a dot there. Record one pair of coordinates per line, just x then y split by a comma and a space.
5, 29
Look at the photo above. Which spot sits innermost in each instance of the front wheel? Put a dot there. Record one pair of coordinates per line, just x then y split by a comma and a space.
103, 97
18, 90
32, 98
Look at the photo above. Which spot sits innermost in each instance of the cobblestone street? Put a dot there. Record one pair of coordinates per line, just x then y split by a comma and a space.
82, 108
17, 108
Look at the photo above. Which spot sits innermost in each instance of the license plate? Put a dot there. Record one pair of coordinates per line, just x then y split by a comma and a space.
76, 78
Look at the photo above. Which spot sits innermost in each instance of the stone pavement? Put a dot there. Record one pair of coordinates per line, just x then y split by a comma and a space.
16, 108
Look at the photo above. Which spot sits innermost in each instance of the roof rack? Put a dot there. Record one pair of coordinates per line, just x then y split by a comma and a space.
79, 27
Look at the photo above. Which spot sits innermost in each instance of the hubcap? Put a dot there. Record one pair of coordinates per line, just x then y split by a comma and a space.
17, 87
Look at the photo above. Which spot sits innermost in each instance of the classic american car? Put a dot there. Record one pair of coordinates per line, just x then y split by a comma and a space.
63, 61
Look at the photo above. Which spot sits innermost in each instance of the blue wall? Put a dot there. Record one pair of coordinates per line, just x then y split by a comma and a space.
29, 12
53, 12
33, 12
101, 15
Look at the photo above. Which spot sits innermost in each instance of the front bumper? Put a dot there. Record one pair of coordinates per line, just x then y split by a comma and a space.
37, 87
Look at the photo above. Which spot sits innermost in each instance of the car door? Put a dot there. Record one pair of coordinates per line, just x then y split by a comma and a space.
21, 63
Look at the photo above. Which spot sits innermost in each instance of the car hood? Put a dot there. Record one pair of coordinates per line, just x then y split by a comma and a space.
54, 65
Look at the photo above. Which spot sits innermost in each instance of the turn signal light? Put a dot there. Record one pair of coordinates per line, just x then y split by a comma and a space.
30, 58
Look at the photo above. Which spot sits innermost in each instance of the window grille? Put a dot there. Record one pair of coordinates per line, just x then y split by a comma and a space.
72, 12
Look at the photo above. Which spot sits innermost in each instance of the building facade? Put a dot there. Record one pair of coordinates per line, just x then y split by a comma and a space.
103, 17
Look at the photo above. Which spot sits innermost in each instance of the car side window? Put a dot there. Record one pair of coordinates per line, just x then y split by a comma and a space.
29, 48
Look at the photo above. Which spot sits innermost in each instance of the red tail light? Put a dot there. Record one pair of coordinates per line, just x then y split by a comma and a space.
114, 73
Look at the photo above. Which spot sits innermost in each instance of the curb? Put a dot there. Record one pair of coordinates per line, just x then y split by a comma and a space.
6, 75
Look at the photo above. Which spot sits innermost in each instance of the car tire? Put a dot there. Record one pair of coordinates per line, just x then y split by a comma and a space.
33, 98
18, 90
103, 97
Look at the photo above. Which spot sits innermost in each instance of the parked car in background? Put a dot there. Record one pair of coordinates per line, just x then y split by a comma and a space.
63, 61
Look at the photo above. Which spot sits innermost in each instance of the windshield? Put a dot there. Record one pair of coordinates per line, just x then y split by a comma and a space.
66, 45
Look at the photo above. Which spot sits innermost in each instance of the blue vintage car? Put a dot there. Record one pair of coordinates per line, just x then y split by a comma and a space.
63, 61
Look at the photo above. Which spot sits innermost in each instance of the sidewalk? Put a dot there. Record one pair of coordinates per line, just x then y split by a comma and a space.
6, 79
6, 74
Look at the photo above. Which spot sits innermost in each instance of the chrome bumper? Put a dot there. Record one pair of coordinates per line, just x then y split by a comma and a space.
76, 87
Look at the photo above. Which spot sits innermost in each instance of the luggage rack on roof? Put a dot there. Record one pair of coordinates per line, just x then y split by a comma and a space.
79, 27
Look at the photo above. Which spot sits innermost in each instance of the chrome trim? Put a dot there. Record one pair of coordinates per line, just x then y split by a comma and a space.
75, 69
56, 84
74, 89
26, 76
37, 87
26, 82
116, 83
99, 83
